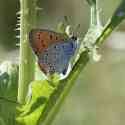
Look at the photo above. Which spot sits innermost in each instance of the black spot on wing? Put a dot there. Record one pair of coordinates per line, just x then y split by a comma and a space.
56, 38
51, 37
38, 37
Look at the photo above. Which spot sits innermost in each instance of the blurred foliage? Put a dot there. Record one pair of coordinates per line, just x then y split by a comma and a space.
8, 93
8, 22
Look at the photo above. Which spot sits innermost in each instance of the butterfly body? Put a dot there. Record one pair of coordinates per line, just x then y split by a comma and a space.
56, 53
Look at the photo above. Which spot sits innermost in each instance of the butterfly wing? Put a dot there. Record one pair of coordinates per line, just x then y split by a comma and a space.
41, 39
57, 56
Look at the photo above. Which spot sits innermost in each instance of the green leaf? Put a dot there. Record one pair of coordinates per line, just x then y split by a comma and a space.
33, 109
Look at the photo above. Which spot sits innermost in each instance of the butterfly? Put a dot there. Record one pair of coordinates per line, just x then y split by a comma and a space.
54, 50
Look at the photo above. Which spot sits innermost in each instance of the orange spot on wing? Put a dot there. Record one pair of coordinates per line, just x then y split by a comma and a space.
42, 39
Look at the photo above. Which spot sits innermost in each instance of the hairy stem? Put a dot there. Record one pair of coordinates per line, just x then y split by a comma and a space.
27, 65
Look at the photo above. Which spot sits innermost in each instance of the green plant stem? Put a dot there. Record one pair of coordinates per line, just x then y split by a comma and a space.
65, 85
94, 13
106, 32
64, 88
27, 65
117, 18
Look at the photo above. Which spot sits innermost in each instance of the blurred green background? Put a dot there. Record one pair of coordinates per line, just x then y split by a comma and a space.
98, 97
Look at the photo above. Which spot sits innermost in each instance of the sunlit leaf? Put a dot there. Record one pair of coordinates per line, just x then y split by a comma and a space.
33, 109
